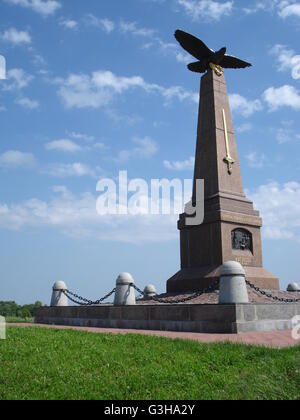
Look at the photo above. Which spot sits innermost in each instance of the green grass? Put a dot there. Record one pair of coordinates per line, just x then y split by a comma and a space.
50, 364
18, 320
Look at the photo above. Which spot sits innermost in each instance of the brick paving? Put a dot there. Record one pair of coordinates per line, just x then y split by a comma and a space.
276, 339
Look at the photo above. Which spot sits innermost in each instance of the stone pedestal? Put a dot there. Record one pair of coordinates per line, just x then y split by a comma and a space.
232, 227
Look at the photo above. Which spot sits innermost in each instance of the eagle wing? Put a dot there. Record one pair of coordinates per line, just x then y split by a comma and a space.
193, 45
197, 67
230, 62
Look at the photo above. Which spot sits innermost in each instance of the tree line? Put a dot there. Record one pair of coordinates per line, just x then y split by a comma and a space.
13, 309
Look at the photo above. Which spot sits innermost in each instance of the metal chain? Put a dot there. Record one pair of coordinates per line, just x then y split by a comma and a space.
209, 289
269, 295
98, 302
79, 300
78, 297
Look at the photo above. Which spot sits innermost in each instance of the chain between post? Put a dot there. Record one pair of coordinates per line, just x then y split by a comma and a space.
194, 296
269, 295
79, 300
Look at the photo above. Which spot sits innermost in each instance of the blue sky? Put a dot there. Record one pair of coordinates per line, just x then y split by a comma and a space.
94, 87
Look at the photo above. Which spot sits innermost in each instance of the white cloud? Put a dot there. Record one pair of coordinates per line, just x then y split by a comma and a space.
254, 8
77, 169
179, 93
80, 91
287, 60
104, 24
145, 148
287, 133
125, 27
76, 216
39, 60
63, 145
284, 96
106, 79
170, 48
244, 106
256, 160
182, 57
70, 145
17, 79
99, 89
69, 24
132, 28
261, 5
16, 159
284, 8
284, 135
288, 8
280, 208
2, 68
186, 165
243, 128
207, 9
80, 136
107, 25
27, 103
99, 146
15, 37
43, 7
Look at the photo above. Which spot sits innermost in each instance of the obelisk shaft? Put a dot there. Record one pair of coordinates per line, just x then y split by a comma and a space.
212, 138
231, 227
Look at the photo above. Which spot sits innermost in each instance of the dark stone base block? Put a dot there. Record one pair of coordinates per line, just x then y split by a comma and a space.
194, 279
223, 319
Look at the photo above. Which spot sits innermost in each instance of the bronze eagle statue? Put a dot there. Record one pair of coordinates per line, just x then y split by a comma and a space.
208, 59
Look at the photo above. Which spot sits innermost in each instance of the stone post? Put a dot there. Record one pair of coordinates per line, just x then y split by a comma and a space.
233, 289
150, 291
58, 297
293, 287
125, 295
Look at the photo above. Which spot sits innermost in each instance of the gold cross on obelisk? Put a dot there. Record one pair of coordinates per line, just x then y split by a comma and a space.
228, 159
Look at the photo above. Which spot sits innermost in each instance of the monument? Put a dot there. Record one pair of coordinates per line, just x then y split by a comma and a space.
231, 230
211, 253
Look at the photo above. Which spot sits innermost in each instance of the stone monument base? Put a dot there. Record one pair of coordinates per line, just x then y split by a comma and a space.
223, 319
194, 279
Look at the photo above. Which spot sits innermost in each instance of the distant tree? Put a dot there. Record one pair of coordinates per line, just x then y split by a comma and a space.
13, 309
26, 314
8, 308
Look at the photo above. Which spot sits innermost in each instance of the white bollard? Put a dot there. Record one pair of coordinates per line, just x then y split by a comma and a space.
58, 297
125, 295
233, 287
293, 287
150, 291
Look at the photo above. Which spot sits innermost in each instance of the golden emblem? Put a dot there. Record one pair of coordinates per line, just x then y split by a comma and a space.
217, 69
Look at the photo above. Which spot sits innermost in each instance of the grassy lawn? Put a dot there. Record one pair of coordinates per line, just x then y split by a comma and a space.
49, 364
18, 320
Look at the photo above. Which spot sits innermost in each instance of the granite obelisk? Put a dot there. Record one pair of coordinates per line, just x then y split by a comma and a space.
231, 228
